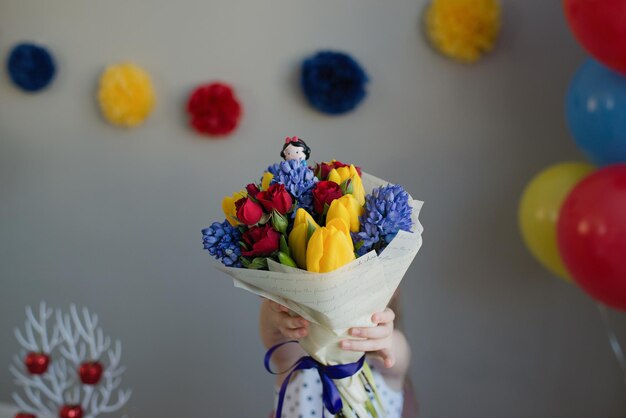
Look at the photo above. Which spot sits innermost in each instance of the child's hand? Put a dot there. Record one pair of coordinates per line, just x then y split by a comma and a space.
376, 340
291, 327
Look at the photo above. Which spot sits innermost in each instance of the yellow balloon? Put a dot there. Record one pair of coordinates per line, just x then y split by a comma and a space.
539, 211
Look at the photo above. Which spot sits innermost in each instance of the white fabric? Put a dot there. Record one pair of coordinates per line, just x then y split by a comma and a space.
303, 398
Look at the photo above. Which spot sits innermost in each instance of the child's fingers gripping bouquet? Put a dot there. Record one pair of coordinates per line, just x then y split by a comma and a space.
278, 325
331, 244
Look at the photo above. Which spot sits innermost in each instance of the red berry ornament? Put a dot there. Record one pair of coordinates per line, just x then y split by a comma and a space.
24, 415
90, 372
71, 411
37, 363
214, 109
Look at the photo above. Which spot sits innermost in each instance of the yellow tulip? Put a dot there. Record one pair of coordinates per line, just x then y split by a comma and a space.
265, 181
298, 239
299, 236
341, 174
342, 226
304, 217
228, 206
346, 208
329, 248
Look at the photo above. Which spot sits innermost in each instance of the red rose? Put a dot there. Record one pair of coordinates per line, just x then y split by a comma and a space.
252, 189
322, 169
324, 193
262, 241
248, 211
275, 198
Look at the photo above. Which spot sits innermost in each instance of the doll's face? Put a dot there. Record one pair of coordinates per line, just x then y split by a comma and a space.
294, 153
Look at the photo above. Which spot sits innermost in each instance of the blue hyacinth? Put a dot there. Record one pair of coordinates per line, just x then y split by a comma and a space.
222, 242
298, 180
387, 211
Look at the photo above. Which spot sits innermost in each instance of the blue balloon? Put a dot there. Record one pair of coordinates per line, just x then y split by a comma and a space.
596, 113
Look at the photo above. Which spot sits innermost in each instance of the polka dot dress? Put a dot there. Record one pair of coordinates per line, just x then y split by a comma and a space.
303, 398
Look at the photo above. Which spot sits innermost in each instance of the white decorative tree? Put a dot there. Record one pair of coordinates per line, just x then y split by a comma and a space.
80, 383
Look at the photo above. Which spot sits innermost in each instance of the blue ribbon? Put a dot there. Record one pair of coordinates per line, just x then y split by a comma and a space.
330, 393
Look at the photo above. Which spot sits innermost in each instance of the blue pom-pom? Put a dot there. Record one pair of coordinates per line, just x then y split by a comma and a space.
30, 67
333, 82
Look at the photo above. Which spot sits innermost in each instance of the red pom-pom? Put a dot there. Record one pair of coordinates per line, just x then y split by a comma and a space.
214, 109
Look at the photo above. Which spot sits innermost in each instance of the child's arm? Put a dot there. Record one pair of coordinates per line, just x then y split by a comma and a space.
277, 326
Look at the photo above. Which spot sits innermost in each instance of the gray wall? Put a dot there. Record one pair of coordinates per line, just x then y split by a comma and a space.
111, 219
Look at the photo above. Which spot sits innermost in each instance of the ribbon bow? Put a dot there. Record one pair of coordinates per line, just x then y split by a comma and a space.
292, 139
330, 393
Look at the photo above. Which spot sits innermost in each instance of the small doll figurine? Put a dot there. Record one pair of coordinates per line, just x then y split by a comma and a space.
295, 149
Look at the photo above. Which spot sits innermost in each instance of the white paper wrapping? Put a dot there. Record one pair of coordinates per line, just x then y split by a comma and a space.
341, 299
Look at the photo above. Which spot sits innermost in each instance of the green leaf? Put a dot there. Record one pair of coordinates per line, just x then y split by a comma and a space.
318, 172
279, 222
286, 260
259, 263
283, 245
358, 245
244, 245
311, 228
347, 187
245, 262
326, 207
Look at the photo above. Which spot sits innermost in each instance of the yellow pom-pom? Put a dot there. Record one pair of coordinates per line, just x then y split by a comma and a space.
463, 29
126, 95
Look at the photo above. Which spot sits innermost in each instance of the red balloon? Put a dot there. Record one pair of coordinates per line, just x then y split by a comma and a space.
592, 235
600, 26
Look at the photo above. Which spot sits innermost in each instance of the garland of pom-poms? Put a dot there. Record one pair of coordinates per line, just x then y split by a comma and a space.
214, 109
31, 67
125, 95
333, 82
463, 30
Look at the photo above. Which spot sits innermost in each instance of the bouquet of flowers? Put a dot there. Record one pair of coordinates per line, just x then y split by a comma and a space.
332, 244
